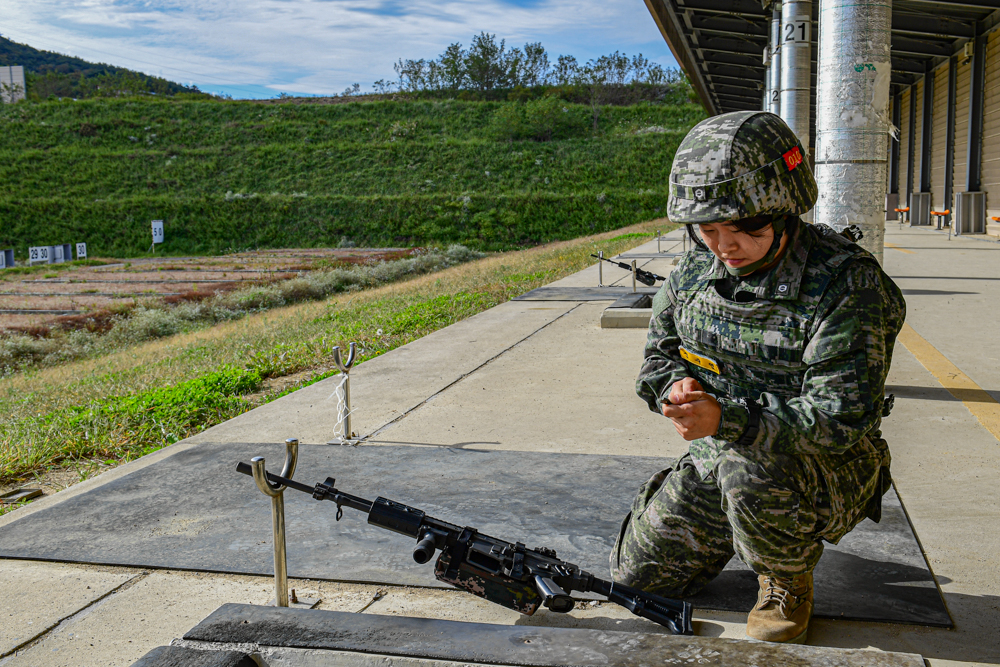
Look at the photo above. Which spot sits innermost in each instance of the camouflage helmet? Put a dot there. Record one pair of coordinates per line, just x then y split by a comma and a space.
739, 165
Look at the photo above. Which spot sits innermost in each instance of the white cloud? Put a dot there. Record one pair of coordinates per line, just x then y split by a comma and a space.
316, 46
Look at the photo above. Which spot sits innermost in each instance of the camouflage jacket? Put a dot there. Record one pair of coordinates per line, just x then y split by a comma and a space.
813, 348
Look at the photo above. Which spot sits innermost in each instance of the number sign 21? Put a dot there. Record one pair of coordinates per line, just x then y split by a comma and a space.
797, 30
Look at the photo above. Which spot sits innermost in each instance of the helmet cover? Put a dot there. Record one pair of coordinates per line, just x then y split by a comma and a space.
740, 165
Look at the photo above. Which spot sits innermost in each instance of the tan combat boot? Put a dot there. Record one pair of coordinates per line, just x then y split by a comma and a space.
783, 609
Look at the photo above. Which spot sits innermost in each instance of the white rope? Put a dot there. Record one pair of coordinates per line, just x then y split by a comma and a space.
343, 410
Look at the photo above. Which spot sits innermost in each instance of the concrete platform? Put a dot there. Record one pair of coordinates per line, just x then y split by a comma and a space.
543, 376
339, 637
626, 318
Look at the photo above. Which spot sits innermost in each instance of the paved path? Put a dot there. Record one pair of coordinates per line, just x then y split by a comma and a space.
543, 376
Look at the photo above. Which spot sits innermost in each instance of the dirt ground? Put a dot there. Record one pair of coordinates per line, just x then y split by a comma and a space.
31, 302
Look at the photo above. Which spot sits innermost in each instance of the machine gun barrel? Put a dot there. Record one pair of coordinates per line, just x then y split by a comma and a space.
504, 573
642, 275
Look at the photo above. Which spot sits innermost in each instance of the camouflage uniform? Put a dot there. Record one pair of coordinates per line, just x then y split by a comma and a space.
810, 341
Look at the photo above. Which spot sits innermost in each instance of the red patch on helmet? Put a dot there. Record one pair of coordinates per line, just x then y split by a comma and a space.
793, 158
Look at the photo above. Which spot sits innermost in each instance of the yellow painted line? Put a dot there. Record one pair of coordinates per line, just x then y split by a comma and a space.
896, 247
976, 399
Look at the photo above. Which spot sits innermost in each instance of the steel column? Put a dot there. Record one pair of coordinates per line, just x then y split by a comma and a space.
852, 120
775, 68
894, 147
949, 139
926, 127
796, 66
911, 144
974, 165
766, 106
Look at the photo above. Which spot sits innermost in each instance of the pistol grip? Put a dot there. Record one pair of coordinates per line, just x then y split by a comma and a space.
553, 596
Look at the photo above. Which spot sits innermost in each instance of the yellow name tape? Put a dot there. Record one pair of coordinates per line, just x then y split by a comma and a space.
700, 361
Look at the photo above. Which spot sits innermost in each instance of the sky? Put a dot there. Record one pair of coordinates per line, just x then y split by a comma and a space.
261, 48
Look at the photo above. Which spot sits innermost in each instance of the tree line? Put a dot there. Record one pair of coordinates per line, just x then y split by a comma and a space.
488, 65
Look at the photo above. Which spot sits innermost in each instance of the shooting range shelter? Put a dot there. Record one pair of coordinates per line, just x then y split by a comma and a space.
945, 78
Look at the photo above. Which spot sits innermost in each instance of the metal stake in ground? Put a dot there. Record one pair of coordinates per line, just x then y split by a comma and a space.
600, 268
277, 494
346, 434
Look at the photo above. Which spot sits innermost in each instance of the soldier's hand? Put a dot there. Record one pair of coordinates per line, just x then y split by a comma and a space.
697, 417
681, 390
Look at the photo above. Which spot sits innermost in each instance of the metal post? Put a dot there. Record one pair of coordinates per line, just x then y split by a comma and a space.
977, 82
796, 66
949, 141
600, 268
658, 250
775, 92
852, 124
911, 151
347, 434
633, 277
926, 130
897, 101
766, 106
277, 494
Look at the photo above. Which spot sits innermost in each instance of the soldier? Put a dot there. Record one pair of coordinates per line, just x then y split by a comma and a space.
768, 347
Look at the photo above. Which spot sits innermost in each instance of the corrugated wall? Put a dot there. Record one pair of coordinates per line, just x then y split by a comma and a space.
961, 123
939, 133
991, 128
904, 145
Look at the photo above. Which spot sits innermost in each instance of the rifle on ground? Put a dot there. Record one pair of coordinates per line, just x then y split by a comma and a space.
642, 275
507, 574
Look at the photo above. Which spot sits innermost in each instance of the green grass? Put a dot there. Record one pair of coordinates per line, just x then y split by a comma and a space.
121, 405
47, 268
232, 175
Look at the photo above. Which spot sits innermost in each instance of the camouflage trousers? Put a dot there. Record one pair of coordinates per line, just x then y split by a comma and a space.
772, 510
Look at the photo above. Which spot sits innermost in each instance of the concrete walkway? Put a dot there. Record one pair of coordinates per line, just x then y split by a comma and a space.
543, 376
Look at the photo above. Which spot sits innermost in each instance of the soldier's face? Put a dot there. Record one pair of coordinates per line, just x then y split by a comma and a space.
734, 247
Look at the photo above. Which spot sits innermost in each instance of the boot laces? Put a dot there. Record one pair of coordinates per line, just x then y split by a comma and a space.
779, 591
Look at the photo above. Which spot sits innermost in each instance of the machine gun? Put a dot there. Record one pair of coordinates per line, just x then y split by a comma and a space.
508, 574
642, 275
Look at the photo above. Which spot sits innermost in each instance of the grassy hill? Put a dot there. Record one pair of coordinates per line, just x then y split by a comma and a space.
48, 73
233, 175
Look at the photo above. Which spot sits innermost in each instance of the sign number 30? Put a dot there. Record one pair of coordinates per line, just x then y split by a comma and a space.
798, 30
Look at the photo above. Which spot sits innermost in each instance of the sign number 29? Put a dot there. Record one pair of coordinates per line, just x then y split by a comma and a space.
798, 30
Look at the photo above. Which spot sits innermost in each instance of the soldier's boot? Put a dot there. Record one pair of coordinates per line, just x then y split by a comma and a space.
783, 609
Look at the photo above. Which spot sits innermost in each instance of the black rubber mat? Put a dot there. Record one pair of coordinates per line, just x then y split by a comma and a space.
484, 643
581, 293
193, 511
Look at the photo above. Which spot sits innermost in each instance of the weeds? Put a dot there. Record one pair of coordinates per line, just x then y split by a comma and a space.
119, 405
155, 319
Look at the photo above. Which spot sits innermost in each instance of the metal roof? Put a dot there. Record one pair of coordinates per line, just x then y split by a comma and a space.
720, 43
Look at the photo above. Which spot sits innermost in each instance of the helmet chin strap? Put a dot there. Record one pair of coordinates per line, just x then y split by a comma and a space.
778, 225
